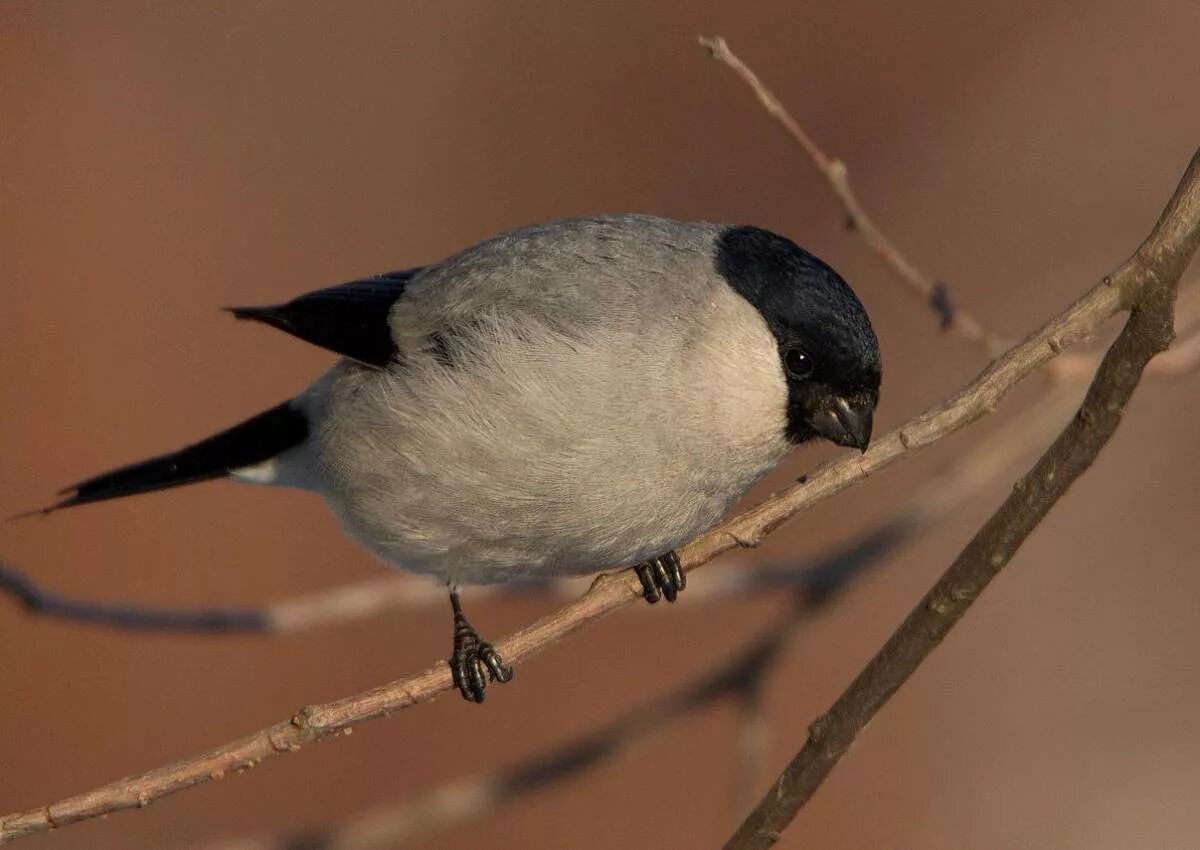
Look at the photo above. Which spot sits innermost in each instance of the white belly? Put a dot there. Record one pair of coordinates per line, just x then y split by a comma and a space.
551, 457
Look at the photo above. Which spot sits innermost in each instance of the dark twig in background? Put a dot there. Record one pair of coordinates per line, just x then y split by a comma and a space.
751, 747
38, 601
359, 600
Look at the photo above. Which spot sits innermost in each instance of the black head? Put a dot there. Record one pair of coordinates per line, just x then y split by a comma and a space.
827, 348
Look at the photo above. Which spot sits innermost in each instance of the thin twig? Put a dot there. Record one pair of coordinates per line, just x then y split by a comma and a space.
353, 601
932, 292
1150, 281
38, 601
750, 746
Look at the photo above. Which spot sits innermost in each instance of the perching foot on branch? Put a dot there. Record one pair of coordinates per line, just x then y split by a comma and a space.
661, 577
473, 661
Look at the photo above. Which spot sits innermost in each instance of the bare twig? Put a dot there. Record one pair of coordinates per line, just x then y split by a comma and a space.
933, 293
38, 601
1149, 281
750, 748
350, 602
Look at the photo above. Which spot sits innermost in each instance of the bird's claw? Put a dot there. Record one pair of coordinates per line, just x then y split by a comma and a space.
661, 577
474, 662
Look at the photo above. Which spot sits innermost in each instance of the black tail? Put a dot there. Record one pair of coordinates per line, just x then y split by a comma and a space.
253, 441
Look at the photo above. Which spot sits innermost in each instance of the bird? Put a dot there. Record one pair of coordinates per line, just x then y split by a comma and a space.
555, 400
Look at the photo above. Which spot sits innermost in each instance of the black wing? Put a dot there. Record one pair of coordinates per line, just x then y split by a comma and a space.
351, 319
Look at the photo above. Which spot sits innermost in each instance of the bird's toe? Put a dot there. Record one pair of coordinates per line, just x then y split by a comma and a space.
661, 578
473, 664
497, 669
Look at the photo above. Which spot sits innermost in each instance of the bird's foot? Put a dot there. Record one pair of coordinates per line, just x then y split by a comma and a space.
661, 577
474, 662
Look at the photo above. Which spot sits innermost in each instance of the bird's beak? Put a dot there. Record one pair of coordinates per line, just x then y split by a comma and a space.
846, 422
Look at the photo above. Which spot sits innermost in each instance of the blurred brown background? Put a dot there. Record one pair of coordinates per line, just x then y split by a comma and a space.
158, 160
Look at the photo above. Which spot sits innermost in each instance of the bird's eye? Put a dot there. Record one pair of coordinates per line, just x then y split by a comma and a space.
799, 364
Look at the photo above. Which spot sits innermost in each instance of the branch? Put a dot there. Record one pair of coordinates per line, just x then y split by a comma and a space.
933, 293
751, 745
363, 599
347, 602
1151, 280
38, 601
